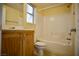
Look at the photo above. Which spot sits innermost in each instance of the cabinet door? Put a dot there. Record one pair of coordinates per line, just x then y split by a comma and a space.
28, 43
11, 43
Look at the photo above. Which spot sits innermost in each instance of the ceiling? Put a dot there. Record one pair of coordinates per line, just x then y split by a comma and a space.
36, 5
45, 5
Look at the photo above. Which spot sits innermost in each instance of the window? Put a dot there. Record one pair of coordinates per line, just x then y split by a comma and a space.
30, 14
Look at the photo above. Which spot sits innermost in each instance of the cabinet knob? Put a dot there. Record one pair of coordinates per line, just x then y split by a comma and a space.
68, 39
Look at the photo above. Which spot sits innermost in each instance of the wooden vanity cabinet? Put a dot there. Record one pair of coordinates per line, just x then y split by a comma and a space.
17, 42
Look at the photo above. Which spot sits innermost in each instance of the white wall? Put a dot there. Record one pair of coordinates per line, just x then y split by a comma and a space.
39, 27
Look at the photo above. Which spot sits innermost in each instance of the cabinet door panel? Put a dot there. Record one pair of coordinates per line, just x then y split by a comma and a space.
28, 43
11, 44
